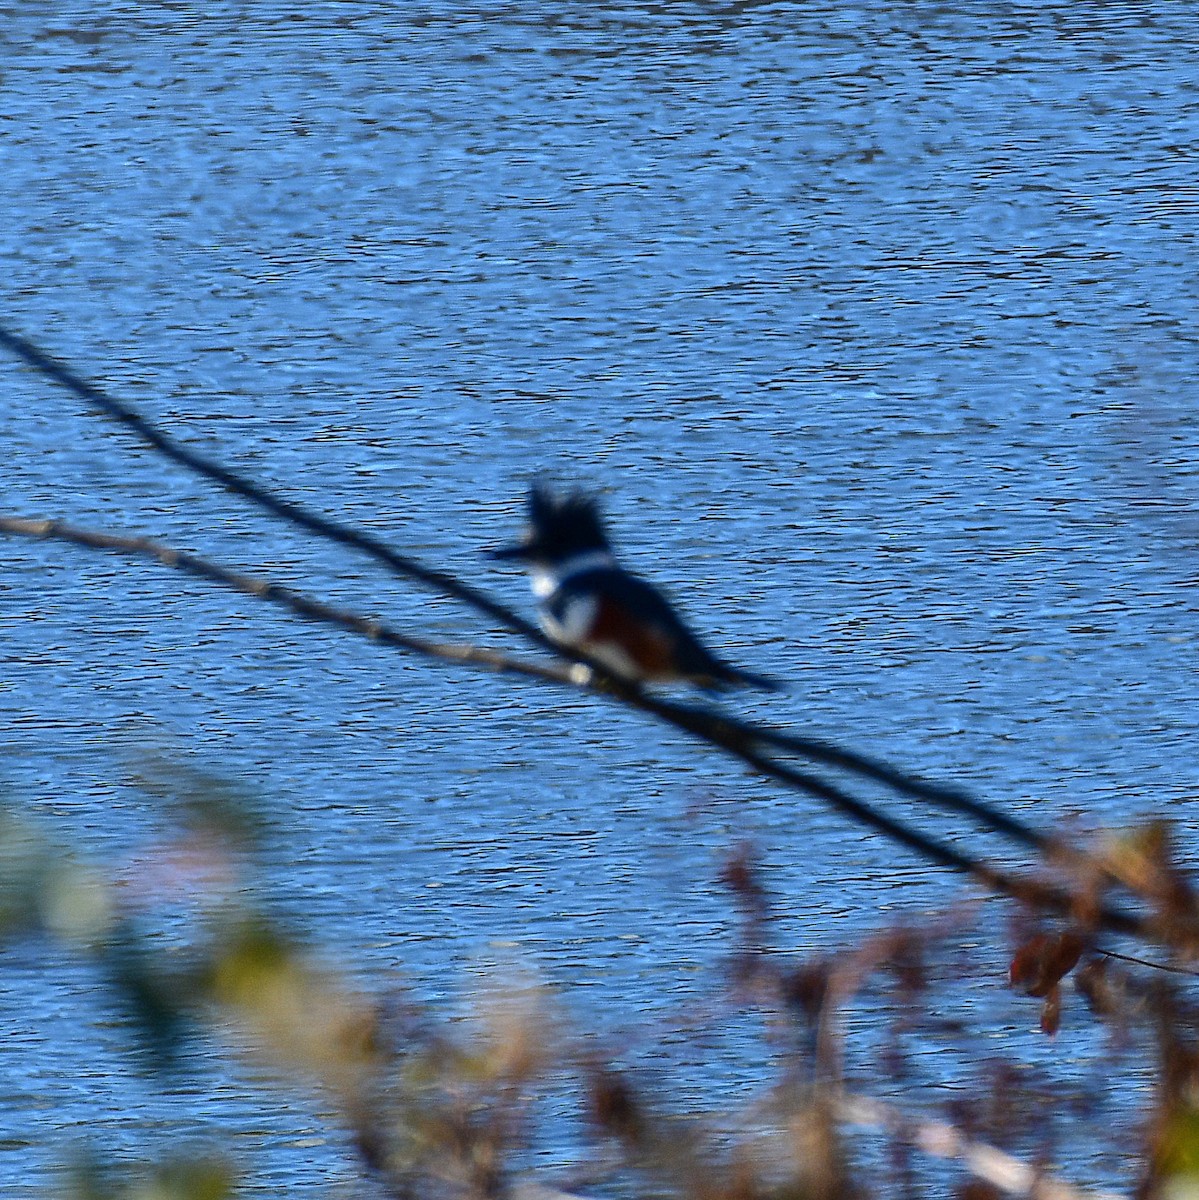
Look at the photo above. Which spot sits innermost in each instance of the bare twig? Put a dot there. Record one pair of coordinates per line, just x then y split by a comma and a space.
951, 799
402, 564
741, 739
948, 798
299, 603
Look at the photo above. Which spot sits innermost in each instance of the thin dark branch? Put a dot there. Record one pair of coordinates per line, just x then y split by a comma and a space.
299, 603
738, 738
731, 736
951, 799
943, 796
1170, 968
402, 564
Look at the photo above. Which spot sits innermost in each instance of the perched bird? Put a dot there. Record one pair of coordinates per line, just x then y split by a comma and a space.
590, 604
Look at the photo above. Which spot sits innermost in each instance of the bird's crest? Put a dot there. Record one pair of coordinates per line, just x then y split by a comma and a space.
565, 522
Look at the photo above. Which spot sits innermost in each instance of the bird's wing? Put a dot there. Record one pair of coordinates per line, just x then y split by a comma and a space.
626, 592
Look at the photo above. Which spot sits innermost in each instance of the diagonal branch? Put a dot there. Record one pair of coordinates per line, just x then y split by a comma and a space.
298, 514
740, 739
947, 798
298, 602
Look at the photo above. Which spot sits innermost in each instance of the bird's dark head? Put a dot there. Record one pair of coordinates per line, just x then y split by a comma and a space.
561, 526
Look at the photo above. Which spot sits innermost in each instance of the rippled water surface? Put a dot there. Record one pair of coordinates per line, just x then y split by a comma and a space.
875, 325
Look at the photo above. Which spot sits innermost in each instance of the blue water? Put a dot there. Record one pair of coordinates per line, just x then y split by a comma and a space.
875, 326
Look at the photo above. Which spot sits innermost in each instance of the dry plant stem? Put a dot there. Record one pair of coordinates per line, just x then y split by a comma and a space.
531, 1190
847, 975
1008, 1174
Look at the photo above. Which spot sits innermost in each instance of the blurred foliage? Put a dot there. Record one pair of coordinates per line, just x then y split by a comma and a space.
445, 1109
182, 1179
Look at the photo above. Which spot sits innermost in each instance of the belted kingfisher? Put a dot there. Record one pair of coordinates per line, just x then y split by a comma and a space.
589, 603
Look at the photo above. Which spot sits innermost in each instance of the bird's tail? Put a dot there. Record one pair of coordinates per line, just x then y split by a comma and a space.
727, 676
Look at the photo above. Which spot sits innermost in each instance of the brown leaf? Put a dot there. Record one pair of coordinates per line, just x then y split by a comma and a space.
977, 1189
1051, 1012
1043, 961
740, 876
614, 1107
806, 987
